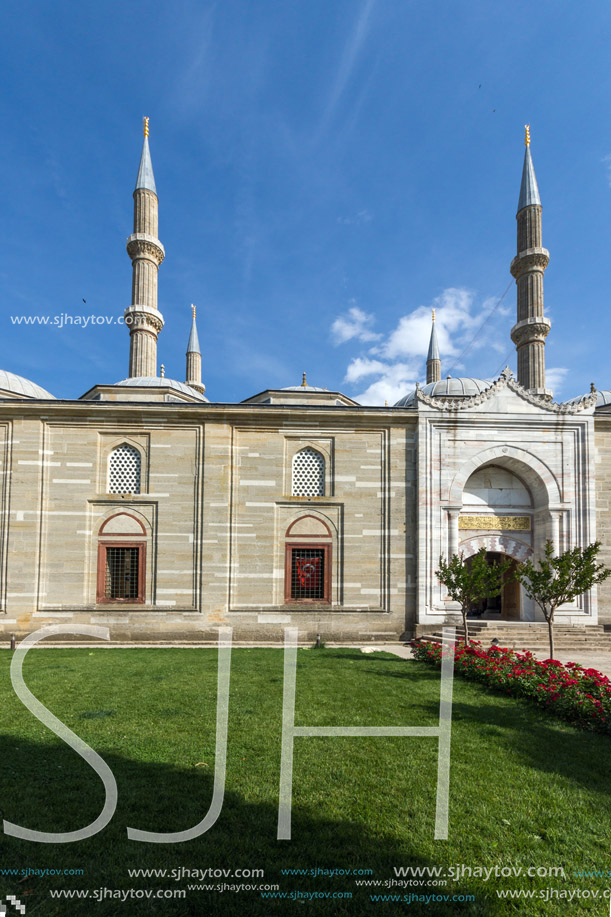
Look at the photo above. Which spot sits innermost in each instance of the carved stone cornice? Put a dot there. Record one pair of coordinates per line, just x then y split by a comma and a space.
141, 245
143, 318
505, 380
530, 329
531, 259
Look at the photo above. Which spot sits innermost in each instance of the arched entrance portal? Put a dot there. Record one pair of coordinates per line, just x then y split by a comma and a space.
511, 604
506, 605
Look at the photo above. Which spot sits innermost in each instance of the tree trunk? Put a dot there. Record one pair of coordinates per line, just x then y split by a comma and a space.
550, 627
465, 625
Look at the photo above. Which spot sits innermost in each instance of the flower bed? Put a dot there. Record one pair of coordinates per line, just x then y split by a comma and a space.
582, 696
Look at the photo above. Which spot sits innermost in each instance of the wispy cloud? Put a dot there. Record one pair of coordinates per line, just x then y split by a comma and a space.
349, 58
355, 324
363, 216
554, 378
607, 161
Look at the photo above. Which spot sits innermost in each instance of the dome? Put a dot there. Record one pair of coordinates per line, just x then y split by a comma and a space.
303, 388
9, 382
602, 399
447, 388
161, 382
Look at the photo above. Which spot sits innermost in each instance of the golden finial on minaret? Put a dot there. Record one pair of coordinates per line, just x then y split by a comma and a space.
303, 381
433, 315
146, 126
162, 370
193, 309
527, 135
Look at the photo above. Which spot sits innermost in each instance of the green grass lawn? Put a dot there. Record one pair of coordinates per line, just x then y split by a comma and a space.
524, 790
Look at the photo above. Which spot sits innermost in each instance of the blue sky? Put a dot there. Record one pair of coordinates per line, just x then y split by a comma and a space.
328, 171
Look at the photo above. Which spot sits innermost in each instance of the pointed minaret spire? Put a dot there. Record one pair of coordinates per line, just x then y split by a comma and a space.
145, 178
532, 327
433, 360
143, 318
194, 359
529, 190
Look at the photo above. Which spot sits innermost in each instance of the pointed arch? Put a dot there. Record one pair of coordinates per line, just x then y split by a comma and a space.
124, 470
540, 480
308, 473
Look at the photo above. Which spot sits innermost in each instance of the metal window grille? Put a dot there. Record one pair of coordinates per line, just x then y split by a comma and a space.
308, 573
124, 470
308, 474
122, 569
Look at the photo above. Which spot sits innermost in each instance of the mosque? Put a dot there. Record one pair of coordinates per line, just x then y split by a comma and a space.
148, 508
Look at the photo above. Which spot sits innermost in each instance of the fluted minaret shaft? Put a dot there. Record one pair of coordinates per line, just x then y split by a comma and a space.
146, 251
433, 360
532, 327
194, 360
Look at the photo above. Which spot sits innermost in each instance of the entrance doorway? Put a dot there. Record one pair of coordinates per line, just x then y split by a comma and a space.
505, 606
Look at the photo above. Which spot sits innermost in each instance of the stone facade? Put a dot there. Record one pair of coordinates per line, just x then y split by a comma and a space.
144, 507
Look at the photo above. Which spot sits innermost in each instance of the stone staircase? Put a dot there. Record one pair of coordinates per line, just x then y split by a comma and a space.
525, 635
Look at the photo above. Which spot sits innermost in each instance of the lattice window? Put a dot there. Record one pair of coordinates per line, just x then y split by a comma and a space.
124, 468
308, 573
308, 474
122, 573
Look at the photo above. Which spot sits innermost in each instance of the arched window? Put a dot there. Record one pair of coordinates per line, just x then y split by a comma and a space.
124, 466
308, 473
307, 568
121, 560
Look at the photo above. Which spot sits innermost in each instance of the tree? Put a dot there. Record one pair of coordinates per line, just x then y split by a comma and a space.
469, 582
557, 580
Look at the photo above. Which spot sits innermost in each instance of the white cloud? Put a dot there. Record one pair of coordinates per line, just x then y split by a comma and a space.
361, 367
396, 379
554, 378
469, 332
607, 161
355, 324
453, 321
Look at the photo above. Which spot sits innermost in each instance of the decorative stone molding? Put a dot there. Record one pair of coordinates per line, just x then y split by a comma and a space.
141, 245
532, 259
143, 318
505, 380
531, 329
498, 544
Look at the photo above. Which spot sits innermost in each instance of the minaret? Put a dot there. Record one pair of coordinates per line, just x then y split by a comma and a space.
532, 327
433, 360
194, 359
143, 318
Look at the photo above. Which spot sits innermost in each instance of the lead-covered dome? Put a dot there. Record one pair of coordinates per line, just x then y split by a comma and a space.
11, 384
161, 382
603, 398
447, 388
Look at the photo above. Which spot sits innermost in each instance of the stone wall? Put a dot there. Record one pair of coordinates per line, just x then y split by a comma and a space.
213, 513
602, 427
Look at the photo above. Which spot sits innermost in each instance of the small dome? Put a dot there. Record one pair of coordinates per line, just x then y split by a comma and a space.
161, 382
303, 388
9, 382
447, 388
602, 398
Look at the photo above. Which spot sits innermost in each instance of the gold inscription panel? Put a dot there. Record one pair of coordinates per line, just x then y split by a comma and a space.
500, 523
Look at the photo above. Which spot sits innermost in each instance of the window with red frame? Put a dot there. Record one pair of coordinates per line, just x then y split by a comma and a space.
121, 573
307, 573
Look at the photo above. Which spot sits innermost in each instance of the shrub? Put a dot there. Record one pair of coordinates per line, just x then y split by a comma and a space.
581, 696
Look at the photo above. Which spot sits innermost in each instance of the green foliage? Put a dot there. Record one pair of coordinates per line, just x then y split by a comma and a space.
553, 581
469, 582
